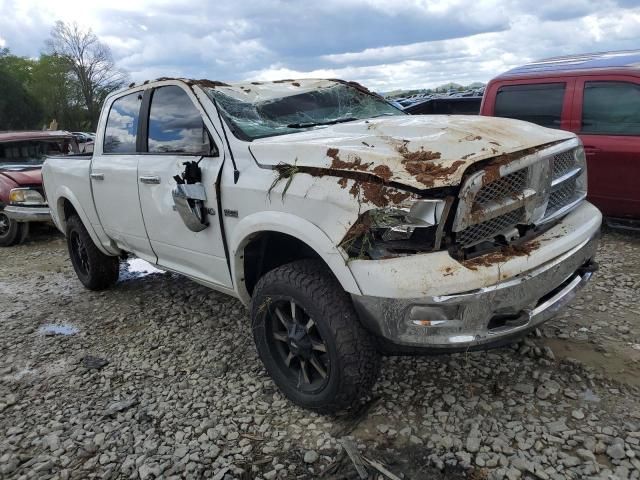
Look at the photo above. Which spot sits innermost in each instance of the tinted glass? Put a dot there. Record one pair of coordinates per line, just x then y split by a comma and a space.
538, 103
611, 107
122, 124
175, 124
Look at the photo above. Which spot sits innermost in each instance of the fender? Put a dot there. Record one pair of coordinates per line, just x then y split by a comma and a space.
295, 226
98, 235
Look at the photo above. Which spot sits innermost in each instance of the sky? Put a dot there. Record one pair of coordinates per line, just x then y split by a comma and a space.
384, 44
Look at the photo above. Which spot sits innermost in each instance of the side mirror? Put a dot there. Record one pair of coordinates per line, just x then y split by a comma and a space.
189, 201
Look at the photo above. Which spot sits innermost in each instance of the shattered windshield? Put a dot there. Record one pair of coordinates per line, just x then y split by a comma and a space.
288, 114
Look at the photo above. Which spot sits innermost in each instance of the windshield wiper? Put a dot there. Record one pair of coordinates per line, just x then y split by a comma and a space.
316, 124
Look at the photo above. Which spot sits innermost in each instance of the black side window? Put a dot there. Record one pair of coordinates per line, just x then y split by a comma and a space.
539, 103
611, 108
176, 126
122, 124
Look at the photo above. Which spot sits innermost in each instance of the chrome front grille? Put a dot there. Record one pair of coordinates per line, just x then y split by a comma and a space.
530, 190
509, 185
561, 196
489, 229
562, 163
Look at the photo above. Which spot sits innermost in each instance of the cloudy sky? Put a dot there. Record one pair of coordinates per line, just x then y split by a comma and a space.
384, 44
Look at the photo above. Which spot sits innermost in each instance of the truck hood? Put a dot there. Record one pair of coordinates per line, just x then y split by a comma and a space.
23, 175
421, 151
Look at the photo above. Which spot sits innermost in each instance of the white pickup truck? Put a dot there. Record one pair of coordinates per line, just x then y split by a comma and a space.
348, 228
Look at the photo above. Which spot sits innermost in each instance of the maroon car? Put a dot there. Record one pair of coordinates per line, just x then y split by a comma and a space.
597, 96
22, 198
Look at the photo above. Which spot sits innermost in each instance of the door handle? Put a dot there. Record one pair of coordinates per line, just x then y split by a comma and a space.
97, 176
150, 180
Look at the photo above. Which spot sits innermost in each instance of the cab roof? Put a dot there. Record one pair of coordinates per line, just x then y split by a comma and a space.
255, 91
620, 60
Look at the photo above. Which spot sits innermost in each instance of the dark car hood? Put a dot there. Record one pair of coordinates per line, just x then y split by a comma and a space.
31, 175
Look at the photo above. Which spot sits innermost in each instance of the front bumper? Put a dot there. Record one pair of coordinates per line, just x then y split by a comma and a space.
483, 317
28, 214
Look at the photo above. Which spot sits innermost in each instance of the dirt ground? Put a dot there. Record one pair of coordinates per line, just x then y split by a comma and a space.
158, 378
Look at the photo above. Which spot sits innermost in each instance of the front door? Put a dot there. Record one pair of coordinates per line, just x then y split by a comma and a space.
177, 134
607, 113
114, 178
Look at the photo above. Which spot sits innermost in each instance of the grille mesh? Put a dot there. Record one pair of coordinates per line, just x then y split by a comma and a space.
508, 186
562, 163
489, 229
561, 196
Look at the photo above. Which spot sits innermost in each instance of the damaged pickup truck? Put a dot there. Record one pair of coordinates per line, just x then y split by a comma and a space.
348, 228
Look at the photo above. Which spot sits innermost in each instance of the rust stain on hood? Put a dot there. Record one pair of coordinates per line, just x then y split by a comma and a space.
421, 151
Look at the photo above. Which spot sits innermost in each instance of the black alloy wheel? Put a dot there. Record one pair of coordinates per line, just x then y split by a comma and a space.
78, 251
296, 344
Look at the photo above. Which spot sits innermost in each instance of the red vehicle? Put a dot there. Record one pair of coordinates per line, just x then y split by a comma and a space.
22, 198
597, 96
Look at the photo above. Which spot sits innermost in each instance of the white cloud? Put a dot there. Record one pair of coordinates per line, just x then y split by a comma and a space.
384, 44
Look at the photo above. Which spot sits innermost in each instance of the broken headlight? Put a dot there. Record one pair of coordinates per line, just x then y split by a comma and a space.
390, 232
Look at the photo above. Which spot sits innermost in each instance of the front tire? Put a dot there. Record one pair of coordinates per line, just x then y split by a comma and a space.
94, 269
310, 339
11, 232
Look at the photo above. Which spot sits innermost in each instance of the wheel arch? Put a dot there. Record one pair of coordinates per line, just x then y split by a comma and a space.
291, 238
67, 204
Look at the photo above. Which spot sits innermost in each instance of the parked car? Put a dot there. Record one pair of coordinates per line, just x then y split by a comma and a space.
22, 199
446, 106
349, 228
85, 141
596, 96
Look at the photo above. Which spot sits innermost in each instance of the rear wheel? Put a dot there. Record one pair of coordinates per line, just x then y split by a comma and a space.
94, 269
310, 339
10, 230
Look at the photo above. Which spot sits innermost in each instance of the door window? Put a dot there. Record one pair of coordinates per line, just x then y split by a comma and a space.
611, 108
539, 103
176, 125
122, 124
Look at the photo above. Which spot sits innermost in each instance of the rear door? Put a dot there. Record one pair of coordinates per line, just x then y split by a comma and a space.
177, 132
114, 177
606, 116
544, 101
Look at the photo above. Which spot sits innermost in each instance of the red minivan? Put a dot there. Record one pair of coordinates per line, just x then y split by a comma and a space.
597, 96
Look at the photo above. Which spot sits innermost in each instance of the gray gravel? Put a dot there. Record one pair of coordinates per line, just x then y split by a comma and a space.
158, 377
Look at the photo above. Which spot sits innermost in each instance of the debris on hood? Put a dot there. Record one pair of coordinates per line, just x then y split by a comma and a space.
414, 151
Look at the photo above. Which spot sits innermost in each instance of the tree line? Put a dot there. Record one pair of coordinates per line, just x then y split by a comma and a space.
67, 83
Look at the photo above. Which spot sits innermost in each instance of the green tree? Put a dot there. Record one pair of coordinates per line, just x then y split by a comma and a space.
19, 108
53, 83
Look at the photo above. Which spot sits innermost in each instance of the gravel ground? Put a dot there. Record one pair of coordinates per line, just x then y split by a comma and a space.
159, 377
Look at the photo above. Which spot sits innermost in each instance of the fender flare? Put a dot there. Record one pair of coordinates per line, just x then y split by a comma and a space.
100, 238
303, 230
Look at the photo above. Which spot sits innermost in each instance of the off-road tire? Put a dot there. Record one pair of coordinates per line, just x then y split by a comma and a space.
95, 270
9, 235
354, 362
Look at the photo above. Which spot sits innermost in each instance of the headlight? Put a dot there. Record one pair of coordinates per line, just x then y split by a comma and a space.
25, 196
389, 232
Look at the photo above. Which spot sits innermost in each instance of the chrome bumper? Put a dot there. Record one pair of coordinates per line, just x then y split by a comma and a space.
28, 214
485, 317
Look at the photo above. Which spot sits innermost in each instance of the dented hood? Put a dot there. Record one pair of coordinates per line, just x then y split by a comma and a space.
421, 151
